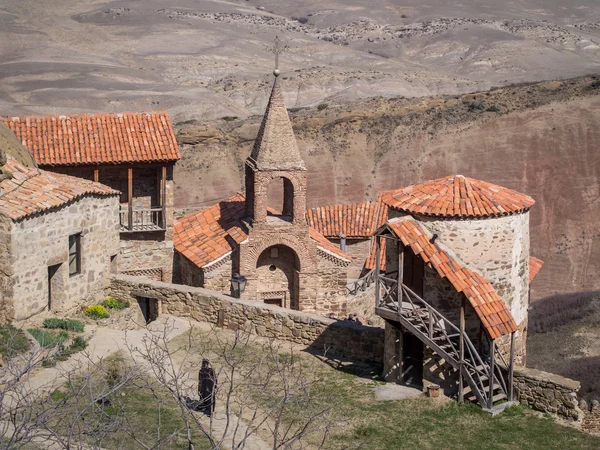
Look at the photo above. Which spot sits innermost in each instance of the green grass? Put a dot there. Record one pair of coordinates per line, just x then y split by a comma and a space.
418, 423
115, 303
12, 341
134, 408
63, 353
63, 324
48, 339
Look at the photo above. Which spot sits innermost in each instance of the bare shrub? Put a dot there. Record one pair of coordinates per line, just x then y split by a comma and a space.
586, 371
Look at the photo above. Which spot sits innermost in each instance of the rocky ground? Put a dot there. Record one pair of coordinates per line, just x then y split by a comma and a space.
204, 59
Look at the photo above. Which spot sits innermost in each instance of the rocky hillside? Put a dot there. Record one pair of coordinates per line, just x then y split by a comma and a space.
541, 139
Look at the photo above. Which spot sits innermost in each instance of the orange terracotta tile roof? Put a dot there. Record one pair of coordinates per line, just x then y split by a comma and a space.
33, 190
535, 264
352, 220
491, 310
211, 234
85, 139
458, 196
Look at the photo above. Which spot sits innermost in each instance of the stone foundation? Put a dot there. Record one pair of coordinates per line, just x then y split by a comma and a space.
327, 336
548, 392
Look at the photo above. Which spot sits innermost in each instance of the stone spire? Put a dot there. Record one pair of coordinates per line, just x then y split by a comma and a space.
275, 147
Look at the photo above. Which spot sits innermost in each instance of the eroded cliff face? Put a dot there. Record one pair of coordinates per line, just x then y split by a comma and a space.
539, 139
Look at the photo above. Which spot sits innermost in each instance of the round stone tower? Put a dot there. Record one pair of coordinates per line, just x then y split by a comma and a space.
484, 225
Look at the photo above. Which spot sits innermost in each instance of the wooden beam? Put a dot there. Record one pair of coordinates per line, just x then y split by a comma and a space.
96, 175
377, 270
461, 361
163, 193
130, 197
511, 366
400, 272
491, 375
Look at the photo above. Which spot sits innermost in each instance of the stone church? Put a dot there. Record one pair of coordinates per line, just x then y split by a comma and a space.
285, 261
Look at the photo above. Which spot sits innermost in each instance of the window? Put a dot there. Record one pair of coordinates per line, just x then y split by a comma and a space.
74, 254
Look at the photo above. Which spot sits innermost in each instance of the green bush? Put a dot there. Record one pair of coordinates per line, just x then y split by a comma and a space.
63, 324
493, 108
48, 338
322, 106
115, 303
476, 106
96, 312
12, 340
229, 118
63, 353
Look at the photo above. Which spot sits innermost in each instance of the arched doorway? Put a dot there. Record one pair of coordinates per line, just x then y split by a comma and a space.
277, 272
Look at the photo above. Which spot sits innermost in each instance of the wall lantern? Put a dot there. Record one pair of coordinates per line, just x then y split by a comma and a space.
238, 284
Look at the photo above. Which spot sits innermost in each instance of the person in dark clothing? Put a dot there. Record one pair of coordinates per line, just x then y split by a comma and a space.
207, 385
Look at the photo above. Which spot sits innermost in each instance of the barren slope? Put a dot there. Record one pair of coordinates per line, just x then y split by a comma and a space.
539, 139
208, 58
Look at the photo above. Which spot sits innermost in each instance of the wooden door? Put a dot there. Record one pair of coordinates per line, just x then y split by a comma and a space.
412, 360
413, 272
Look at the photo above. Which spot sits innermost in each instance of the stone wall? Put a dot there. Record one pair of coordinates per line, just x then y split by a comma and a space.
6, 269
331, 289
547, 392
341, 338
363, 305
497, 248
148, 250
42, 240
359, 250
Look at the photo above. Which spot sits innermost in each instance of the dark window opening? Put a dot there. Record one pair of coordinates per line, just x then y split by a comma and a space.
75, 254
52, 282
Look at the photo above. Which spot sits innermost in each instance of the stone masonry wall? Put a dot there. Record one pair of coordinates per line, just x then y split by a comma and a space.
6, 269
548, 392
345, 339
359, 250
497, 248
331, 289
150, 250
42, 240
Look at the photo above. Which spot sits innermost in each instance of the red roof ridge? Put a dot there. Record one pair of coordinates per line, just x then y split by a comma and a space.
457, 196
32, 190
86, 114
204, 237
96, 138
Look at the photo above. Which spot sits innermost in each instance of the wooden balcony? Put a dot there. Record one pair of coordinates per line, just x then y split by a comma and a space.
138, 220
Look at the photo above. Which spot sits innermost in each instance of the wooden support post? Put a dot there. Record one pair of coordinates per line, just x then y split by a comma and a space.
163, 195
130, 198
430, 318
511, 366
377, 270
400, 272
491, 375
461, 386
96, 175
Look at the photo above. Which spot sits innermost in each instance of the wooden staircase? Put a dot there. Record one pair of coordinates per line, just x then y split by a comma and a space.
451, 343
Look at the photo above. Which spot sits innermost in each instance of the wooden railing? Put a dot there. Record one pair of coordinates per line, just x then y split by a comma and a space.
486, 381
136, 220
362, 284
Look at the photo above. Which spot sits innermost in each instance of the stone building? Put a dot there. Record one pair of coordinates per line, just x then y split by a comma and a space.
284, 260
59, 240
133, 153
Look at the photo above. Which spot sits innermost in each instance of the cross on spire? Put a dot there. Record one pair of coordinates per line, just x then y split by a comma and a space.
277, 49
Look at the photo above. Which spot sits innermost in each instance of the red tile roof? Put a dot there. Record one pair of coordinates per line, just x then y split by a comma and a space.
535, 264
458, 196
491, 310
208, 235
352, 220
85, 139
32, 190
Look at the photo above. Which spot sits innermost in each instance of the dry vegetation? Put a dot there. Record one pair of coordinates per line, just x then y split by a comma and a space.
565, 338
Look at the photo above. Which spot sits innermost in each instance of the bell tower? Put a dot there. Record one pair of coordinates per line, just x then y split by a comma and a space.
275, 155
